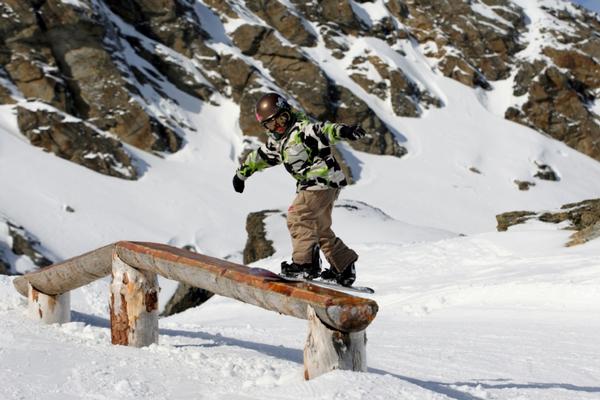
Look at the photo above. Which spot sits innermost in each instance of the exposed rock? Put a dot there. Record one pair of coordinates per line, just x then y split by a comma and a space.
248, 99
583, 217
25, 244
4, 265
341, 13
336, 13
174, 24
76, 142
379, 88
29, 72
557, 105
279, 17
473, 47
354, 111
257, 245
585, 235
185, 297
545, 172
222, 7
508, 219
5, 96
239, 76
55, 40
524, 185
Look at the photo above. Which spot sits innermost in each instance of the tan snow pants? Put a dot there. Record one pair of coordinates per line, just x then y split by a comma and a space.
309, 223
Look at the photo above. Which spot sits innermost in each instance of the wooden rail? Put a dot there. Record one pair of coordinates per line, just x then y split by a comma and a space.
337, 321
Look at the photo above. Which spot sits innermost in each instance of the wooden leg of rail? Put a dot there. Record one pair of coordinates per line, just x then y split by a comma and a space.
327, 349
133, 305
49, 309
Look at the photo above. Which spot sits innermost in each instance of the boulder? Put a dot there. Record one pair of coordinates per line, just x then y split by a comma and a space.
185, 297
257, 245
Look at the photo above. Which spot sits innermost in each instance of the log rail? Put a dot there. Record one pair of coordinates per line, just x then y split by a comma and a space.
337, 321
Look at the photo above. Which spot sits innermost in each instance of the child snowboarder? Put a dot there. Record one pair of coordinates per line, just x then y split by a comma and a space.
304, 149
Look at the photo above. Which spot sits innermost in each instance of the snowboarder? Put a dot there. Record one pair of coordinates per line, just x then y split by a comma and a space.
304, 148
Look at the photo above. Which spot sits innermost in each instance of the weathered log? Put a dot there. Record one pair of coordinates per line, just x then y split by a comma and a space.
48, 309
338, 310
133, 305
327, 349
70, 274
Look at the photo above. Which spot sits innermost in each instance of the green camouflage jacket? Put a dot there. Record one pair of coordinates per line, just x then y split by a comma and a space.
305, 151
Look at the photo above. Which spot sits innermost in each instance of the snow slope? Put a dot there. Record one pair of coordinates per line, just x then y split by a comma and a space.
493, 316
489, 315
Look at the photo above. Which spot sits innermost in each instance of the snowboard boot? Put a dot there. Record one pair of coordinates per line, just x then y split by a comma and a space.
344, 278
310, 270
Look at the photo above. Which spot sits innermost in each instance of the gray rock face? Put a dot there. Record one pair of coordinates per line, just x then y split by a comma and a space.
77, 142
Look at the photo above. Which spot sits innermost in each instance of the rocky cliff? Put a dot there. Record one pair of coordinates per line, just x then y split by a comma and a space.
89, 76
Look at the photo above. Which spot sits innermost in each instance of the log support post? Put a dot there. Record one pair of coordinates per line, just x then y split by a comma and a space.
48, 309
133, 305
327, 349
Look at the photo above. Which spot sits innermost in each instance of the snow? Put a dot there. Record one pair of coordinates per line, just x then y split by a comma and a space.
465, 312
497, 315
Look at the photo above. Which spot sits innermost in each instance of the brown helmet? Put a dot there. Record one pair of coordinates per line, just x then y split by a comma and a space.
269, 106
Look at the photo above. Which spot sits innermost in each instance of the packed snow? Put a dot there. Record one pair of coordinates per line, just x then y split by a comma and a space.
466, 312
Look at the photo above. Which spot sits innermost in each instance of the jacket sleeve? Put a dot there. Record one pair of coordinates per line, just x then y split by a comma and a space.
327, 132
330, 133
264, 157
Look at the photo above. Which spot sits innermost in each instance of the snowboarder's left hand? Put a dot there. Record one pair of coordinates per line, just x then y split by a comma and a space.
238, 184
353, 132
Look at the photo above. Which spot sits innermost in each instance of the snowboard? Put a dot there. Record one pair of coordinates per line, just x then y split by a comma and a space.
269, 275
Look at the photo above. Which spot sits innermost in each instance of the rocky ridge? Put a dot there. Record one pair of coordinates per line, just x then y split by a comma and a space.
110, 63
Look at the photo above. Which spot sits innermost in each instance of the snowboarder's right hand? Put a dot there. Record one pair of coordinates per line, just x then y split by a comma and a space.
238, 184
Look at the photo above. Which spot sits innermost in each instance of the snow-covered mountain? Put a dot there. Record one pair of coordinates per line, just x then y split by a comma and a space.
126, 120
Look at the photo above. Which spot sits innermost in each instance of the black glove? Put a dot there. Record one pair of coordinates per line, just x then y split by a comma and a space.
353, 132
238, 184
